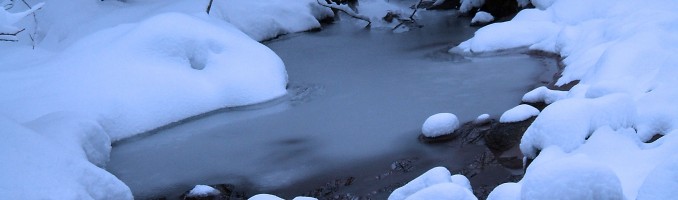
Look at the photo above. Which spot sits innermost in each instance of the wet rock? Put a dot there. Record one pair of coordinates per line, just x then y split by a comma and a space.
503, 136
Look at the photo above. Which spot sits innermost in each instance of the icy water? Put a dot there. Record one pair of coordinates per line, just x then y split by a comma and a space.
356, 102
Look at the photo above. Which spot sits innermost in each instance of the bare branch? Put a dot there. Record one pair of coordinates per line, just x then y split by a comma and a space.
10, 37
349, 13
411, 18
209, 7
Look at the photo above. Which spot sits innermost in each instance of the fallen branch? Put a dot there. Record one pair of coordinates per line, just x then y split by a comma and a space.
349, 13
411, 18
209, 7
10, 37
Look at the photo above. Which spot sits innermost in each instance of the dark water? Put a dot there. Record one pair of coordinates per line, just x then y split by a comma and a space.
356, 103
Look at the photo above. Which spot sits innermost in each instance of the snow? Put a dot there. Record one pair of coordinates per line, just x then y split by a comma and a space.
36, 166
265, 197
519, 113
482, 119
506, 191
574, 177
621, 54
443, 191
440, 124
202, 190
86, 73
273, 197
543, 94
482, 18
435, 184
467, 5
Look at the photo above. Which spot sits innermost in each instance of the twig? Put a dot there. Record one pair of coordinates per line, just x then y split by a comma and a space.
352, 14
209, 7
10, 34
35, 20
411, 18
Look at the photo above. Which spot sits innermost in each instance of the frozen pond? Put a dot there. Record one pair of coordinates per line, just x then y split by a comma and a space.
355, 97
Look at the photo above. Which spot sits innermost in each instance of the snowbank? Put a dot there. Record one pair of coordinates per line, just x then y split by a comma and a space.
621, 52
128, 77
39, 163
202, 191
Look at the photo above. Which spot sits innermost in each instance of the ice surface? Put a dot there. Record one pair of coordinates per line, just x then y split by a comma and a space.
440, 124
519, 113
202, 190
353, 96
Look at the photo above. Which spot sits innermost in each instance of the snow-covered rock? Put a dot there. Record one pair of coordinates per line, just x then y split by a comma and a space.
543, 94
431, 177
519, 113
662, 182
436, 183
443, 191
506, 191
265, 197
569, 122
202, 191
482, 18
574, 177
440, 124
482, 119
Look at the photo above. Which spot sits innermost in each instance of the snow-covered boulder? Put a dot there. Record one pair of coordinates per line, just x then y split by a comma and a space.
436, 183
569, 122
506, 191
202, 191
443, 191
440, 124
662, 182
519, 113
482, 119
481, 18
265, 197
573, 177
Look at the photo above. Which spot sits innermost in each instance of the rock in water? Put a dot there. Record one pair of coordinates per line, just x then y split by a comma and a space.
440, 124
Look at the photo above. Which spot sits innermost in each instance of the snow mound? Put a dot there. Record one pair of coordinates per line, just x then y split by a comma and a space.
36, 166
482, 119
267, 19
519, 113
506, 191
436, 183
482, 18
202, 190
443, 191
265, 197
128, 76
569, 122
543, 94
662, 182
304, 198
433, 176
574, 177
440, 124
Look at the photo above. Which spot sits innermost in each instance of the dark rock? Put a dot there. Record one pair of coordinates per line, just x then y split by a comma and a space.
500, 8
438, 139
503, 136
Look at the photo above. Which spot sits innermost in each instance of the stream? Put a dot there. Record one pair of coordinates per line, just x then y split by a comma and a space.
356, 101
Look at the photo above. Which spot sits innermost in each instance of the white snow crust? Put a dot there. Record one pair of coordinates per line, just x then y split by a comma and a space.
440, 124
519, 113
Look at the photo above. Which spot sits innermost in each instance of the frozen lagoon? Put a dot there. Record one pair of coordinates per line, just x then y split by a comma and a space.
356, 98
